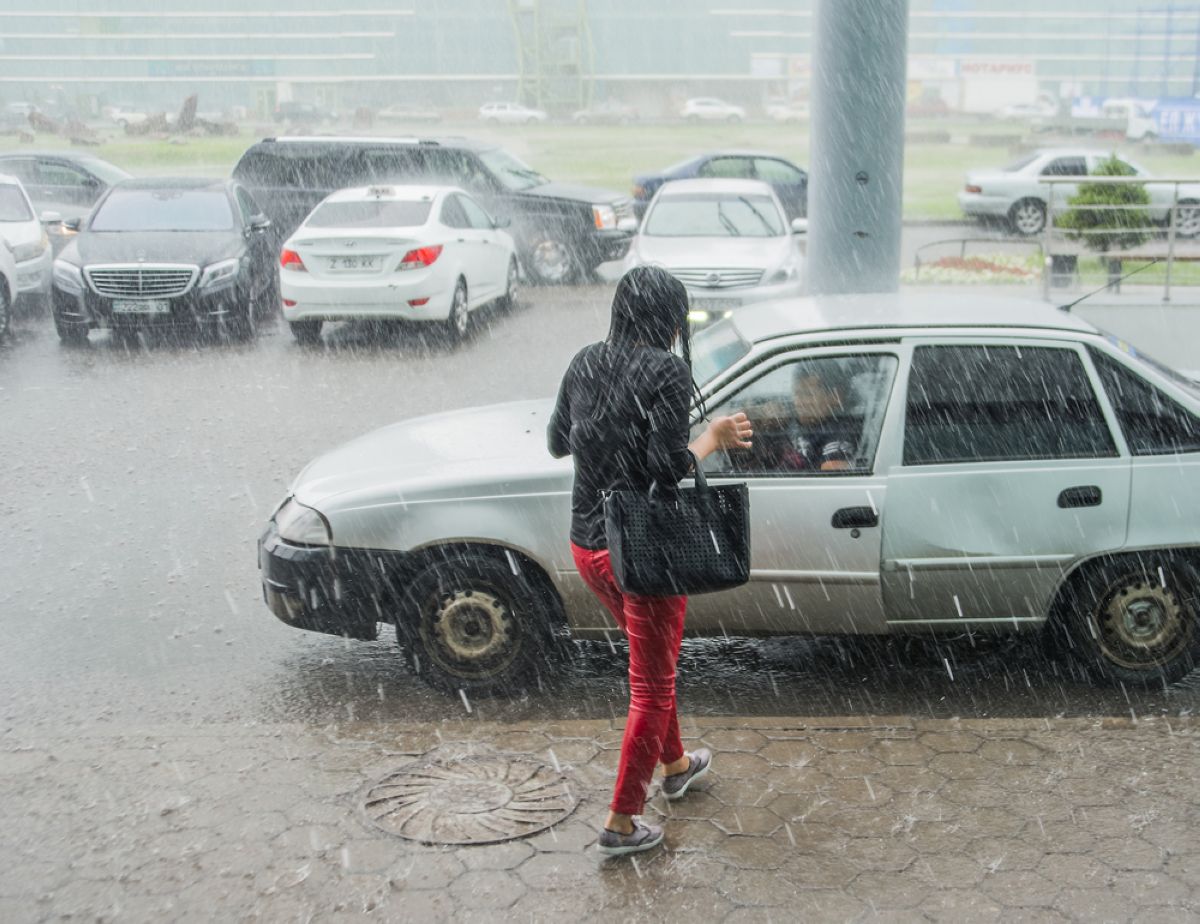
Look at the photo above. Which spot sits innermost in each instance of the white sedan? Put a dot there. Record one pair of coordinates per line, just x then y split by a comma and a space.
415, 253
511, 113
21, 228
1016, 194
711, 109
728, 241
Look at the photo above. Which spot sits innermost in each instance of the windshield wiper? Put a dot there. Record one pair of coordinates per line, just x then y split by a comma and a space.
771, 232
725, 222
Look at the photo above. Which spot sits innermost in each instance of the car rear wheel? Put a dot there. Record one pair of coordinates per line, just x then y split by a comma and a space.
1134, 620
512, 289
459, 321
1187, 218
307, 333
551, 260
477, 622
1027, 217
5, 309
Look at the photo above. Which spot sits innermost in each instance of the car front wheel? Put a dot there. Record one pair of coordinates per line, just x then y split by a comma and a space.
1134, 620
551, 260
1027, 217
513, 287
476, 622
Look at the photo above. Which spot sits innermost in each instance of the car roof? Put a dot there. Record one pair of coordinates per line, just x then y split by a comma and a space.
8, 179
173, 182
80, 156
296, 143
715, 184
882, 311
404, 191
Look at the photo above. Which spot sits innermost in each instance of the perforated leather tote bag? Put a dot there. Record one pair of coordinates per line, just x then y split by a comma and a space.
681, 540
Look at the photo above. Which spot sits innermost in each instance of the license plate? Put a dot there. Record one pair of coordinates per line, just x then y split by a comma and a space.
352, 264
715, 305
142, 306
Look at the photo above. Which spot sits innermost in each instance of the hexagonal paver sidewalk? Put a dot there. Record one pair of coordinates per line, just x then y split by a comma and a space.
825, 819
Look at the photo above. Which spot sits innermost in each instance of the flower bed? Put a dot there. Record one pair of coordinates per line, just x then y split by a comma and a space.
990, 269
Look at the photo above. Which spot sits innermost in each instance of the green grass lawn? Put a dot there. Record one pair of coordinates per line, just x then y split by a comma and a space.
609, 156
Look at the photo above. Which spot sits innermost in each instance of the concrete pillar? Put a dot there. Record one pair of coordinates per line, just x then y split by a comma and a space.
856, 161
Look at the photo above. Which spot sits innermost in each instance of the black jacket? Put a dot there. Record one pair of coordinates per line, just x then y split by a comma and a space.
622, 414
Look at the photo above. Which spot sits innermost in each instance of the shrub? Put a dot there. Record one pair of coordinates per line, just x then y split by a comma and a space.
1115, 228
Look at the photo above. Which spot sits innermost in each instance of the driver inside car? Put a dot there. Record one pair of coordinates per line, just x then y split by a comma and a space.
816, 432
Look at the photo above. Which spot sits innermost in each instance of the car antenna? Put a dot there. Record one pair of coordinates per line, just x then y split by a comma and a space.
1112, 282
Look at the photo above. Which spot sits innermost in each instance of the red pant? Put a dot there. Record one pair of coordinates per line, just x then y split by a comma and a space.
654, 627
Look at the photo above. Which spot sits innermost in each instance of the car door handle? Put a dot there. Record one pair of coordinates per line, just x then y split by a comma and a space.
1088, 495
855, 517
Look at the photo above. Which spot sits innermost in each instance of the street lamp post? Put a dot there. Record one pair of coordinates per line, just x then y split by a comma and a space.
857, 145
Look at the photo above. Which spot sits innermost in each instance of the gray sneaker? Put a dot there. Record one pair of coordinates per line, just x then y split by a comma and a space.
676, 785
642, 837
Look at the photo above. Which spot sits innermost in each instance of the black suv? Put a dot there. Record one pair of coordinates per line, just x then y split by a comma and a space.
563, 232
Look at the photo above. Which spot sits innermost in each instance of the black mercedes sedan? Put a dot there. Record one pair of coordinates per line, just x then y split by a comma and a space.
166, 251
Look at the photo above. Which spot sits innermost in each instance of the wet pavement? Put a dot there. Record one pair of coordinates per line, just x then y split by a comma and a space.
154, 711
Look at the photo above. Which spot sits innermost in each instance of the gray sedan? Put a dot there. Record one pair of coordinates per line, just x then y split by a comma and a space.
913, 470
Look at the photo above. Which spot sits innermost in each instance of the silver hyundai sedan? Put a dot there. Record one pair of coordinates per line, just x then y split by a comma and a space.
920, 464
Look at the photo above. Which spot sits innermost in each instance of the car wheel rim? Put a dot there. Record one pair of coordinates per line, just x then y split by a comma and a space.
514, 282
472, 633
551, 260
4, 313
1187, 221
1029, 218
1142, 624
460, 310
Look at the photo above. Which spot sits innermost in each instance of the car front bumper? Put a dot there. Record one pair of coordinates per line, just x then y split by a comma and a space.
977, 205
196, 305
707, 306
337, 591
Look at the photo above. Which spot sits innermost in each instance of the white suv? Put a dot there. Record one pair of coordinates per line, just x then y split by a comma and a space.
8, 284
711, 109
23, 231
513, 113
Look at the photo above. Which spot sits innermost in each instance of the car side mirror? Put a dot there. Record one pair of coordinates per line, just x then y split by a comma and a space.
502, 222
259, 223
51, 218
73, 224
799, 226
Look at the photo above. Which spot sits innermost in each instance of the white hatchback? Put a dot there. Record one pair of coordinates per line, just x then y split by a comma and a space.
21, 228
415, 253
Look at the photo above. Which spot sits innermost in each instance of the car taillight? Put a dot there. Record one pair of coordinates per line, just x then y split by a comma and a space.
420, 258
974, 189
290, 260
418, 302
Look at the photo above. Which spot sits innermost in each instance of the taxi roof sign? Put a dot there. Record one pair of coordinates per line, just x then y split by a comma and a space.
378, 191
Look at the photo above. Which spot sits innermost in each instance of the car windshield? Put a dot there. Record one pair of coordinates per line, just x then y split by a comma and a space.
511, 172
715, 349
13, 206
1190, 385
714, 215
164, 210
375, 213
104, 171
1021, 163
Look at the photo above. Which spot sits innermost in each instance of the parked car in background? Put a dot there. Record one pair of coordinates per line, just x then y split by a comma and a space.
293, 110
608, 112
1015, 194
913, 471
511, 113
789, 181
167, 251
414, 253
124, 116
1044, 107
728, 241
562, 231
784, 110
711, 109
66, 182
8, 285
22, 230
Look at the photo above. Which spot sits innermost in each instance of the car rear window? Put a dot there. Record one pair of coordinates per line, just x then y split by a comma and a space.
386, 213
164, 210
13, 206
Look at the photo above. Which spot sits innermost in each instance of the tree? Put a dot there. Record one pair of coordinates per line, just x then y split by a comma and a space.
1108, 216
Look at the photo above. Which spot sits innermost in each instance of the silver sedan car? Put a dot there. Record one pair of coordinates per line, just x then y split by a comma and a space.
917, 468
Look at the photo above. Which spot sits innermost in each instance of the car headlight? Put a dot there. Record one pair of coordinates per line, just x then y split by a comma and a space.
68, 278
30, 251
604, 216
217, 273
302, 525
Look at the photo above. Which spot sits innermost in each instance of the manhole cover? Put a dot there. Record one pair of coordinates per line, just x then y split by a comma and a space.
475, 800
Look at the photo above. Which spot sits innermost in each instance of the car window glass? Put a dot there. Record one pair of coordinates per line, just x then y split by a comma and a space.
1066, 166
371, 213
395, 164
728, 167
13, 206
476, 216
23, 168
1153, 423
52, 174
813, 416
771, 170
453, 215
246, 205
707, 215
1001, 403
714, 349
164, 210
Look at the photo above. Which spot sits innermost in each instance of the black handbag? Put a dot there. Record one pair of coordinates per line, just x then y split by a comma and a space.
679, 540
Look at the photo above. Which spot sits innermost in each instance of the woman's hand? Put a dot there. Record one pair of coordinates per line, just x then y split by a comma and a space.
732, 432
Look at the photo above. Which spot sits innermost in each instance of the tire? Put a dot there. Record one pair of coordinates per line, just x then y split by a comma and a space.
1187, 219
307, 333
459, 322
477, 621
1027, 217
1132, 620
6, 308
71, 333
550, 260
512, 290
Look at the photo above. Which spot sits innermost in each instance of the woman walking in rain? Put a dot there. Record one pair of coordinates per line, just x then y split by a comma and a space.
622, 414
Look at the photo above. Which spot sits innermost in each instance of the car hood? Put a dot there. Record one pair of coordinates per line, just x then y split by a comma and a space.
751, 253
199, 247
496, 448
21, 232
572, 192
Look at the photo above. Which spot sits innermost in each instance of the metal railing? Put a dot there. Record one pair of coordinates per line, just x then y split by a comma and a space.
1062, 246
